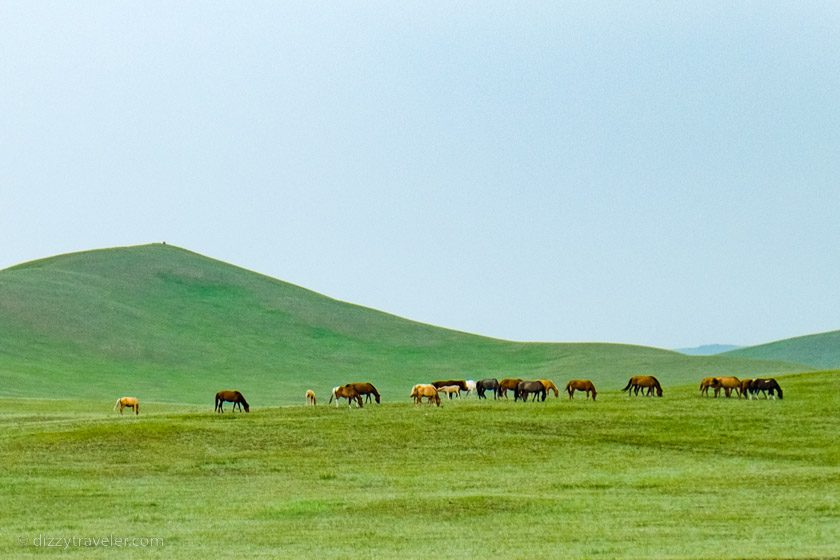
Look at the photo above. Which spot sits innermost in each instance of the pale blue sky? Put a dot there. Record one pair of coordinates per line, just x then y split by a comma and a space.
654, 173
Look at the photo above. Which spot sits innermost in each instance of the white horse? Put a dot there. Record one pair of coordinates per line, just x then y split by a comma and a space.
470, 387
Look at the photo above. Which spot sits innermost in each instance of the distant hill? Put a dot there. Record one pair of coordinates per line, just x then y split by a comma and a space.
707, 350
167, 324
819, 351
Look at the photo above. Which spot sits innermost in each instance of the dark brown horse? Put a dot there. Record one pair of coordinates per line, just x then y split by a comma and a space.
648, 382
525, 388
508, 384
366, 390
765, 386
231, 396
487, 385
581, 385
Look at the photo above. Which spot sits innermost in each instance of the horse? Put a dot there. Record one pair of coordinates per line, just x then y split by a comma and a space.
427, 391
366, 389
506, 385
231, 396
131, 402
771, 386
581, 385
745, 388
485, 385
460, 383
550, 386
310, 397
705, 383
648, 382
450, 390
470, 387
346, 392
728, 384
525, 388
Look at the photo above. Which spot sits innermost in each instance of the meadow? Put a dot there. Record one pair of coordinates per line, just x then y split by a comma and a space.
624, 477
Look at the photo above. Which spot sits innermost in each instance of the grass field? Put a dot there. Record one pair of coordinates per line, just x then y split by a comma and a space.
676, 477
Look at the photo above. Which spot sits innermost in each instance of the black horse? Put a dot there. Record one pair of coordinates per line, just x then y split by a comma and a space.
487, 385
526, 388
765, 386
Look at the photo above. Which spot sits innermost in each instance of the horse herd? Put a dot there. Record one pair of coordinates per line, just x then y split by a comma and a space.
521, 389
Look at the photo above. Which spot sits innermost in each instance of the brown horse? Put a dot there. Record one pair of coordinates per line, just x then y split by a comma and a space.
231, 396
705, 384
550, 386
728, 384
581, 385
648, 382
525, 388
310, 397
346, 392
745, 387
506, 385
427, 391
765, 386
128, 402
366, 390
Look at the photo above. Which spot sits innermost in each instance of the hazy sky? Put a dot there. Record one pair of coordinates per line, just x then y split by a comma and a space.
655, 173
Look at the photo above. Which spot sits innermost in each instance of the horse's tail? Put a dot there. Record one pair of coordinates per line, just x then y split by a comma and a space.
137, 408
332, 395
629, 383
778, 388
116, 404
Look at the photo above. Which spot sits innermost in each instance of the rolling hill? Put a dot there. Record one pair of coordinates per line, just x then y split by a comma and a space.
172, 325
819, 351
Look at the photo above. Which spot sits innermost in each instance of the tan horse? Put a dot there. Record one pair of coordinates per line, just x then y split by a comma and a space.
310, 397
128, 402
648, 382
346, 392
581, 385
728, 384
508, 384
705, 383
450, 390
550, 386
427, 391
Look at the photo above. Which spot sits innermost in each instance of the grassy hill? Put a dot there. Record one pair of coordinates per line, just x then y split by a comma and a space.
819, 351
170, 325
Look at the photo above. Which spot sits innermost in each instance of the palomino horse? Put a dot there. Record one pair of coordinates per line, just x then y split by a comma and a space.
485, 385
131, 402
506, 385
366, 390
705, 383
450, 390
771, 386
231, 396
346, 392
460, 383
648, 382
581, 385
728, 384
550, 386
427, 391
310, 397
525, 388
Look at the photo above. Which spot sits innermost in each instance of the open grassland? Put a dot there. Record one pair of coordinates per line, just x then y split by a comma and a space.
625, 477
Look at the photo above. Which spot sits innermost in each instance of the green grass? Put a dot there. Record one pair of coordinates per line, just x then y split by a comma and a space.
676, 477
169, 325
819, 351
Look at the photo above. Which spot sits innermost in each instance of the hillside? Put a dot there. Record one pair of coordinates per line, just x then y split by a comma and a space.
172, 325
819, 351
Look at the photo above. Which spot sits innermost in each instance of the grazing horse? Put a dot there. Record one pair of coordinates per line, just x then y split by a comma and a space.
366, 389
506, 385
346, 392
427, 391
525, 388
728, 384
231, 396
460, 383
550, 386
771, 386
450, 390
745, 388
648, 382
705, 383
581, 385
470, 387
487, 385
130, 402
310, 397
